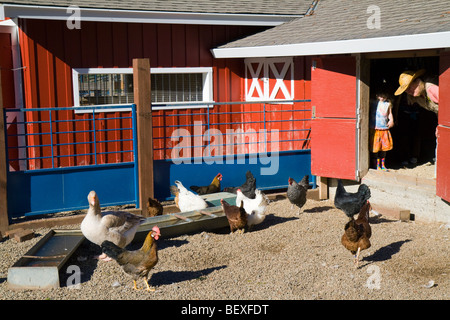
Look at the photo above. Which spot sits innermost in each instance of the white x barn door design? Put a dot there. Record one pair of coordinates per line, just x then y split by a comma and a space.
269, 79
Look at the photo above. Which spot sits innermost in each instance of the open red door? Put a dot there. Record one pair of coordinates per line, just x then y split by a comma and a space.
333, 128
443, 150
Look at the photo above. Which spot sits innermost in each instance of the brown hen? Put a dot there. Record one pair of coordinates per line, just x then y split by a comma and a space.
136, 263
213, 187
237, 217
154, 207
357, 233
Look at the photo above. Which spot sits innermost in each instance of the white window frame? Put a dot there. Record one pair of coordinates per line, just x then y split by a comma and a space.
254, 79
207, 87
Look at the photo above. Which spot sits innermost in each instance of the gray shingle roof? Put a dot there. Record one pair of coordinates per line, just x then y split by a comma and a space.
266, 7
347, 19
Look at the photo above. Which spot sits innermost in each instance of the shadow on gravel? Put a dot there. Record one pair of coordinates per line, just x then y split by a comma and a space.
167, 243
272, 220
376, 220
319, 209
169, 277
386, 252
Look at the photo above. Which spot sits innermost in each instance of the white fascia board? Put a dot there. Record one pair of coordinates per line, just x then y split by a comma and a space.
7, 23
138, 16
2, 12
381, 44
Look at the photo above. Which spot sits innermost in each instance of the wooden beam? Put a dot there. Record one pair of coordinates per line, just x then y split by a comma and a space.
142, 99
4, 220
323, 187
404, 54
363, 74
49, 222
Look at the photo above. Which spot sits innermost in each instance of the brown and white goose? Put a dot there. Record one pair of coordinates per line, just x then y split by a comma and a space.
119, 227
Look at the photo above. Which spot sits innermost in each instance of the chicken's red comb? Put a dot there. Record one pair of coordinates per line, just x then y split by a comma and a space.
156, 229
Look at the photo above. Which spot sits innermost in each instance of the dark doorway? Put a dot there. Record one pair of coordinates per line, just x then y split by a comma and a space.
413, 134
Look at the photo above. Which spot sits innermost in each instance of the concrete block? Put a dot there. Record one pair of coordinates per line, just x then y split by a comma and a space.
10, 233
24, 235
404, 215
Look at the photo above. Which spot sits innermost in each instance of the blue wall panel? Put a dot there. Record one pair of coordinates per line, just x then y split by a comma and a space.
54, 190
293, 164
48, 191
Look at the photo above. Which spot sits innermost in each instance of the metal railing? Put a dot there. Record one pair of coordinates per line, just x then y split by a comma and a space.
45, 138
263, 117
49, 138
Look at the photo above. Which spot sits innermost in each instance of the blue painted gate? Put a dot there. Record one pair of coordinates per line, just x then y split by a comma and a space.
41, 178
56, 156
273, 139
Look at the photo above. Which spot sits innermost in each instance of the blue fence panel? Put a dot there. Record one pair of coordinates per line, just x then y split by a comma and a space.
283, 164
37, 191
295, 164
55, 189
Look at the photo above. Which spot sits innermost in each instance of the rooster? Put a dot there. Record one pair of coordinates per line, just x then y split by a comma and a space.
136, 263
237, 217
255, 208
186, 200
351, 203
248, 187
296, 192
357, 233
154, 207
212, 188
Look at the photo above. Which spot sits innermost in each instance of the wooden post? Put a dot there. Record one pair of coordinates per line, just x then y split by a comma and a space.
323, 188
363, 74
4, 221
142, 99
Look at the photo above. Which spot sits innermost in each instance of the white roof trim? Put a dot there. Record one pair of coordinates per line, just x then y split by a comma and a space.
142, 16
380, 44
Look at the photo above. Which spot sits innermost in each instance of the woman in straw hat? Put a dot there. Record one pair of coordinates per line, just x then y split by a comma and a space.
424, 93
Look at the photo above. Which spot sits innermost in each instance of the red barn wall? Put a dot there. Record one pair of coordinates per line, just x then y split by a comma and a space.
8, 97
50, 50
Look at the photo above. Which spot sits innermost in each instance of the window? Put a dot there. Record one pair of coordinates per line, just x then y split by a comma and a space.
171, 87
269, 79
177, 87
101, 89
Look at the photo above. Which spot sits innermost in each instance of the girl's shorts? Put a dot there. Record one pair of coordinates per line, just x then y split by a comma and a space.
381, 140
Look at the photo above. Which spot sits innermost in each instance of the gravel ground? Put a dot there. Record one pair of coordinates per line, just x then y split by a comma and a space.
288, 256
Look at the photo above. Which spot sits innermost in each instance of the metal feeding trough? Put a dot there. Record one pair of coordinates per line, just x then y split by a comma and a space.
175, 224
39, 267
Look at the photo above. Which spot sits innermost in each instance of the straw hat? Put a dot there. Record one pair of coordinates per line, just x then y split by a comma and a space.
406, 78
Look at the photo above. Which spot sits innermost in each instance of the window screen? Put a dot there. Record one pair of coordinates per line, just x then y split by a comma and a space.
177, 87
